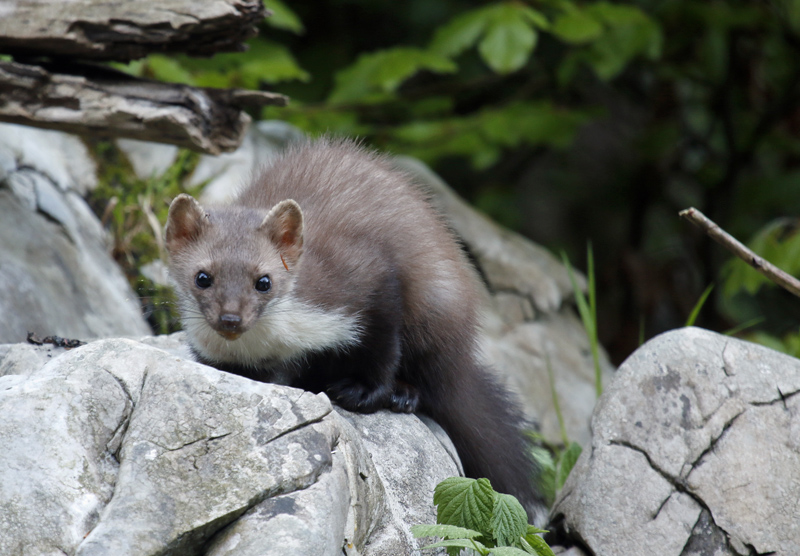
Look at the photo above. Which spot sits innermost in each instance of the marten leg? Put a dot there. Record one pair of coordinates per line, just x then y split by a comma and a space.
405, 398
363, 377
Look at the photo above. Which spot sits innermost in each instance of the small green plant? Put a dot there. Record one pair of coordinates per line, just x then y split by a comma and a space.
698, 306
587, 308
134, 211
555, 463
471, 515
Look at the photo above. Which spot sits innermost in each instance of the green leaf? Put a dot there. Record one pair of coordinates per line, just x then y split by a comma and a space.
535, 17
779, 243
537, 545
629, 33
509, 520
547, 474
283, 18
482, 135
507, 31
530, 122
577, 27
397, 65
465, 503
383, 72
509, 39
444, 531
460, 33
275, 63
567, 462
165, 68
265, 61
533, 530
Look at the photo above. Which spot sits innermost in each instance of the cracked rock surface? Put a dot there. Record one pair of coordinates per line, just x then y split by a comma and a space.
56, 273
695, 451
119, 447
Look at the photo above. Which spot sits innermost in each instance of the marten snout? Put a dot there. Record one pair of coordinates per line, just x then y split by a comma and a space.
229, 326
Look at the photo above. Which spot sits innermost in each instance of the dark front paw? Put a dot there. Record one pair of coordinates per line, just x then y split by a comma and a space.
404, 399
358, 397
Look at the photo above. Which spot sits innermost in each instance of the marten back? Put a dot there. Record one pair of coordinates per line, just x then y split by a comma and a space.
360, 214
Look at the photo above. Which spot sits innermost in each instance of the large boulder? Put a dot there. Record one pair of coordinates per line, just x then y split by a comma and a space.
56, 276
695, 451
120, 447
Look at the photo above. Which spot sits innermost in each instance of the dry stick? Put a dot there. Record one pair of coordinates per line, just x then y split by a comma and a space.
786, 281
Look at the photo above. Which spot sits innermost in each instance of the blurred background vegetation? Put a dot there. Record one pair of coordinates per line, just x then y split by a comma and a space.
570, 122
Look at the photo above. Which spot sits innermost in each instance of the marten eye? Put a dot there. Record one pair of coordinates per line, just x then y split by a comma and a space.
263, 284
203, 280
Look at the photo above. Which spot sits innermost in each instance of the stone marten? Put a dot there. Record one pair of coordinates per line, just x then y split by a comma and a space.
332, 272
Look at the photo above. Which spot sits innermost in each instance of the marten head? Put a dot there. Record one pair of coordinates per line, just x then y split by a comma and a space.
231, 265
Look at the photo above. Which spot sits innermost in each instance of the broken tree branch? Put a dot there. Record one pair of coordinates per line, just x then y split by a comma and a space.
103, 30
98, 101
786, 281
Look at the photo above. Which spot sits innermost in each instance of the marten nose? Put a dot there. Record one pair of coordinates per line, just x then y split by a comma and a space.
230, 322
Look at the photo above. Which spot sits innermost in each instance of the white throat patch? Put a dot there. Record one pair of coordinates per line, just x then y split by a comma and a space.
287, 330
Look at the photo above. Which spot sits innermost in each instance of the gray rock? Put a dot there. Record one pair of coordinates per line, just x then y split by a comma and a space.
119, 447
148, 159
307, 521
8, 163
61, 157
399, 448
227, 173
54, 204
695, 450
23, 185
56, 276
21, 360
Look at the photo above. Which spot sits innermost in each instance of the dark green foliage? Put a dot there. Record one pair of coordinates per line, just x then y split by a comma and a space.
567, 120
747, 295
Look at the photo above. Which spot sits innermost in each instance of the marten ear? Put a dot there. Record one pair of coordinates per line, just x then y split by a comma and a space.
284, 227
185, 222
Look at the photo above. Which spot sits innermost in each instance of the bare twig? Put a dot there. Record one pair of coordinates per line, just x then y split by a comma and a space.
786, 281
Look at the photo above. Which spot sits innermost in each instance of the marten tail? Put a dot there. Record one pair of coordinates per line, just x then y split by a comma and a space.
485, 426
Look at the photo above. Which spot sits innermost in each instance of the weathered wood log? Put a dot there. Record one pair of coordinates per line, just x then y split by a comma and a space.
126, 30
98, 101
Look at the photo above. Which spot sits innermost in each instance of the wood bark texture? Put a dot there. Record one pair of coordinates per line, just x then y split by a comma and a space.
97, 101
126, 30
